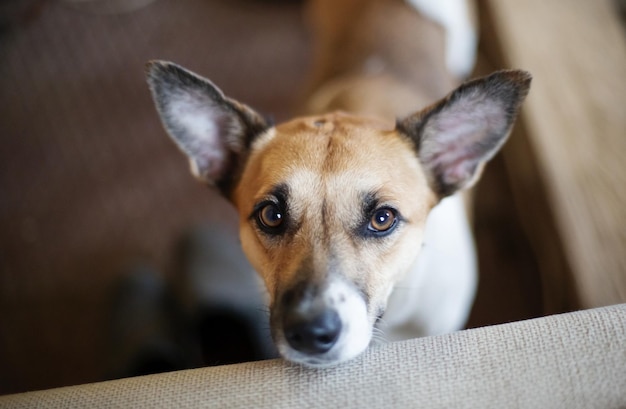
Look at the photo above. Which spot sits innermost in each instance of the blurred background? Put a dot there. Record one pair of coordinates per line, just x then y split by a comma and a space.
90, 184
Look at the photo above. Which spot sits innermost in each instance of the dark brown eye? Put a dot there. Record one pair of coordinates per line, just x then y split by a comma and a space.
382, 220
270, 216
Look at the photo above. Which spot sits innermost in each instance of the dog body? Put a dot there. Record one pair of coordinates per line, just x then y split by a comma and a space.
383, 59
336, 208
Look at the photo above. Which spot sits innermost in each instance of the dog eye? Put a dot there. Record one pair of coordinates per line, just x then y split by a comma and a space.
270, 216
382, 220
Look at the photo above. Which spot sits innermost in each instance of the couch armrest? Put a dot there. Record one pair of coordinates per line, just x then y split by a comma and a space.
574, 360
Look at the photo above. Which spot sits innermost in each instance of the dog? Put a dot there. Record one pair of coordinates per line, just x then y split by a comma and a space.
350, 216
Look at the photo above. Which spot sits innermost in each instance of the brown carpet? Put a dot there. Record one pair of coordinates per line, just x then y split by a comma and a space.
90, 184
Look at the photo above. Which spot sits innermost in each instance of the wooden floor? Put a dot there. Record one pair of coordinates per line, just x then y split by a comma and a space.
572, 153
90, 184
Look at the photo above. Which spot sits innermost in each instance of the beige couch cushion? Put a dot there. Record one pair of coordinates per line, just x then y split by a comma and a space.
575, 360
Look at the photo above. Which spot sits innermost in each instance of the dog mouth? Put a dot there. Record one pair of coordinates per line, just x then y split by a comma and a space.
321, 327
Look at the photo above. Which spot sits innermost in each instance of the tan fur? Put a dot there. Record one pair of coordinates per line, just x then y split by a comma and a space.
378, 59
375, 57
345, 156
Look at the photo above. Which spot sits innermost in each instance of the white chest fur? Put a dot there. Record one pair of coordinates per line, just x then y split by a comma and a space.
461, 39
437, 294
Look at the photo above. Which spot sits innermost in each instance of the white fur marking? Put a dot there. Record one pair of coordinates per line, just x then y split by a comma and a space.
437, 294
356, 330
262, 140
454, 16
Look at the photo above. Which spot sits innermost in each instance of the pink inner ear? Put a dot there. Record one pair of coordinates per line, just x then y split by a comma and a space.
460, 136
204, 127
461, 171
208, 166
454, 143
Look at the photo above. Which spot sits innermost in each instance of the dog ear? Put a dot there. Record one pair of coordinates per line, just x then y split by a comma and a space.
458, 135
214, 131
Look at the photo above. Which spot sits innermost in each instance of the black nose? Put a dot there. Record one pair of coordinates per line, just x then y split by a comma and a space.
313, 334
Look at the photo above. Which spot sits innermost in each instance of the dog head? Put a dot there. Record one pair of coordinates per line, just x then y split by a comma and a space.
332, 208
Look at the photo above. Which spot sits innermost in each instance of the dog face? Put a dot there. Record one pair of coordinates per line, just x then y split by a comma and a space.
332, 208
331, 214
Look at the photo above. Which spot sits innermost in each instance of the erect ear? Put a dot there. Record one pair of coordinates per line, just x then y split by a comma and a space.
215, 132
456, 136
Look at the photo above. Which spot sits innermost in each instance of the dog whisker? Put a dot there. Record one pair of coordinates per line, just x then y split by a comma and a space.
381, 322
378, 336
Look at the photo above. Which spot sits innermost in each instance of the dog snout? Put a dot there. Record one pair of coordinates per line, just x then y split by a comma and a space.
313, 332
320, 324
